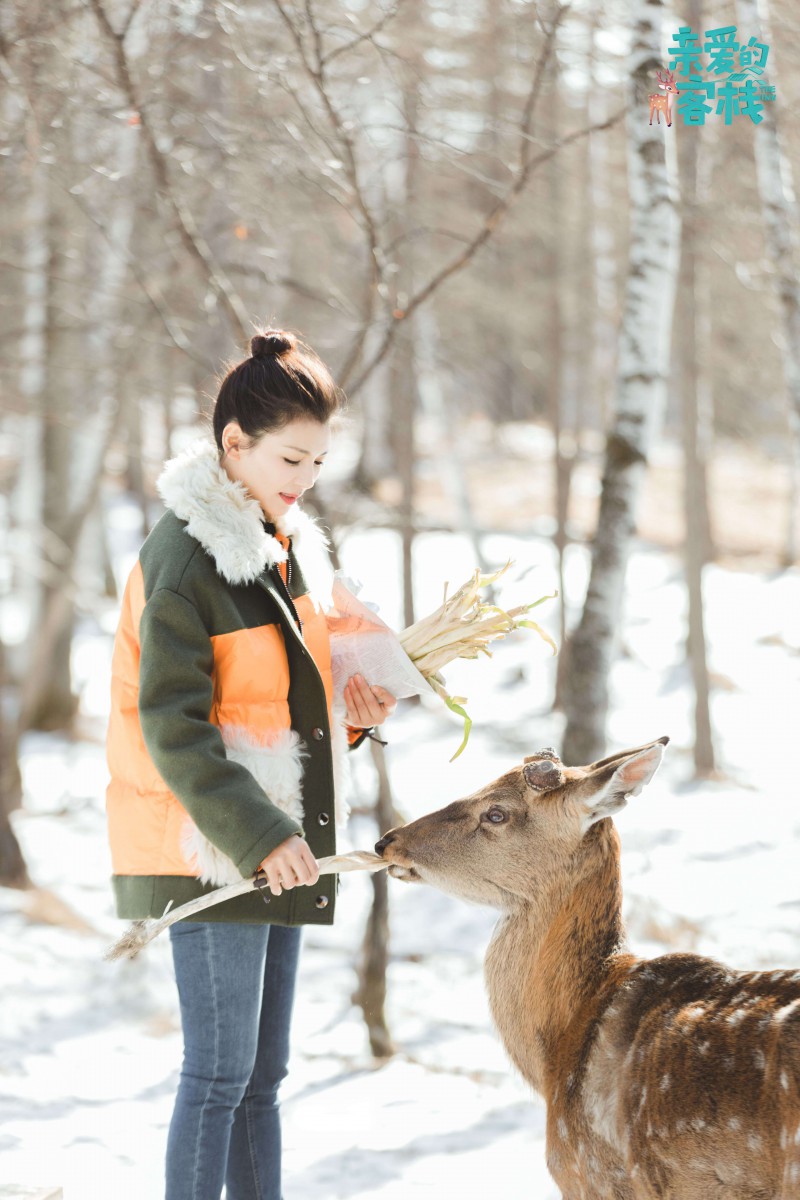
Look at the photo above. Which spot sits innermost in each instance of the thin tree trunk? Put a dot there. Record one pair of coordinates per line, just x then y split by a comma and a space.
373, 962
588, 374
403, 394
791, 551
13, 871
690, 368
604, 344
403, 373
133, 420
49, 702
640, 395
779, 211
554, 274
436, 403
26, 503
27, 494
403, 401
376, 460
167, 373
370, 995
56, 615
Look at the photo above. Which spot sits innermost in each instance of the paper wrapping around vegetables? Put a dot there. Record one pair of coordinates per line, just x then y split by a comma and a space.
363, 644
409, 664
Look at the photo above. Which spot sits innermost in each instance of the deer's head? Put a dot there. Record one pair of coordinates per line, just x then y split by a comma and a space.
510, 841
666, 82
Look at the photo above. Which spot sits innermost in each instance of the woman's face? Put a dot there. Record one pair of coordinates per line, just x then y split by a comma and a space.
280, 466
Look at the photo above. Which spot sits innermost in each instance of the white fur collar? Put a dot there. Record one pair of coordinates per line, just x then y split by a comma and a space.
227, 522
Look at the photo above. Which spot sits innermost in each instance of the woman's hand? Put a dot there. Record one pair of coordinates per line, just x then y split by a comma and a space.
366, 706
289, 864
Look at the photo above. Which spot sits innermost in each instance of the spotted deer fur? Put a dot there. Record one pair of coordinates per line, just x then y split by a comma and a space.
674, 1077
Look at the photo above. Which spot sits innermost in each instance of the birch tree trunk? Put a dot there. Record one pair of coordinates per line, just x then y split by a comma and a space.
73, 459
779, 210
691, 322
557, 340
26, 497
376, 459
370, 994
13, 871
47, 698
692, 387
604, 252
403, 387
402, 392
589, 353
640, 393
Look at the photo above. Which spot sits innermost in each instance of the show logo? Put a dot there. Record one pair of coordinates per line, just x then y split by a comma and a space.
722, 76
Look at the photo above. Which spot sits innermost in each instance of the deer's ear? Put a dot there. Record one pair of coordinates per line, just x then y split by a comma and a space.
620, 782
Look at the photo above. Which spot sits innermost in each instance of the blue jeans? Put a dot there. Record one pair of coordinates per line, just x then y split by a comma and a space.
236, 989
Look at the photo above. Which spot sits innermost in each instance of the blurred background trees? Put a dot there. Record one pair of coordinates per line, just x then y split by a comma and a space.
463, 209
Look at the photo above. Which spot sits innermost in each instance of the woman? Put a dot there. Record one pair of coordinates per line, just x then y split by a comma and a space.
223, 747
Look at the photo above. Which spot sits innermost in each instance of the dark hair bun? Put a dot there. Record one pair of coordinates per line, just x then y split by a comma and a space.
271, 343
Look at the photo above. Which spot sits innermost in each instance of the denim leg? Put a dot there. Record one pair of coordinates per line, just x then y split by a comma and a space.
254, 1158
219, 969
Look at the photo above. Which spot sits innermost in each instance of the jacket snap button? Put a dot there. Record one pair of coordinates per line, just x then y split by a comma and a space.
322, 901
323, 819
318, 733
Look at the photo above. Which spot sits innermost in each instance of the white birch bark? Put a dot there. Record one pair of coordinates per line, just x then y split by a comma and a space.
691, 386
604, 256
27, 425
641, 389
72, 459
779, 210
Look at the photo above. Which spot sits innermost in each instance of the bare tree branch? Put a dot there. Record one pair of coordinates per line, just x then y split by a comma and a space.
304, 113
328, 299
367, 36
149, 287
190, 235
375, 256
493, 220
135, 6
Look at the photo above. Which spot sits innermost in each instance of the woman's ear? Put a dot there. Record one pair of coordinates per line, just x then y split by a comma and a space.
232, 438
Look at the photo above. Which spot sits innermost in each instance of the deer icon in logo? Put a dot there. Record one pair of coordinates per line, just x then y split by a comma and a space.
658, 103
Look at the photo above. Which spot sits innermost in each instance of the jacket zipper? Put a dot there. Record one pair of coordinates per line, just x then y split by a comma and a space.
277, 578
293, 611
286, 593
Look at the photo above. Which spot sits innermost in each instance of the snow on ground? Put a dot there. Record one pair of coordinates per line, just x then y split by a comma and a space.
89, 1051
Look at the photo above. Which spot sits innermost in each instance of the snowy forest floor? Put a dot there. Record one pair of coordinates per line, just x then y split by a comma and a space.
89, 1051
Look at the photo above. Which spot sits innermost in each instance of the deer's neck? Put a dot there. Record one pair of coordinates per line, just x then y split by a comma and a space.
553, 964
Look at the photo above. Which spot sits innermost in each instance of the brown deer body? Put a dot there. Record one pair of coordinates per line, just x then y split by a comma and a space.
674, 1077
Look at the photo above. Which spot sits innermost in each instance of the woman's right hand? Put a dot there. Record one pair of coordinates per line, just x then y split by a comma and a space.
290, 864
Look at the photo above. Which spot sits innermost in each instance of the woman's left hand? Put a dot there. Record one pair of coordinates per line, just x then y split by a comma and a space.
367, 705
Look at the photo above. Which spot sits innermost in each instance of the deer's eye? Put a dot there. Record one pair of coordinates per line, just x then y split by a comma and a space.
495, 816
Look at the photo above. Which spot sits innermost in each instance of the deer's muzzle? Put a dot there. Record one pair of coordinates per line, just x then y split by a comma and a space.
387, 847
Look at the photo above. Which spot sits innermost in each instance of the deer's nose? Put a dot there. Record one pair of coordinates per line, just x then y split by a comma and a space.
383, 843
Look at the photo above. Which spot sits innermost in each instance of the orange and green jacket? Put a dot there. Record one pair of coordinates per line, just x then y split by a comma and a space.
222, 741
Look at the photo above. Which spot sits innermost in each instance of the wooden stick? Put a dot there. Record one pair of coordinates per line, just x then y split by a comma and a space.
139, 933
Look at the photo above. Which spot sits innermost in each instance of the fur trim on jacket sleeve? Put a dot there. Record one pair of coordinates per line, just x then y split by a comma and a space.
277, 766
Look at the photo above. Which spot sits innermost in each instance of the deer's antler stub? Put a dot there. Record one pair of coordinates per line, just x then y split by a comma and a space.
543, 770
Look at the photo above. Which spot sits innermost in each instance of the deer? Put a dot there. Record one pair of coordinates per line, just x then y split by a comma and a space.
674, 1077
659, 103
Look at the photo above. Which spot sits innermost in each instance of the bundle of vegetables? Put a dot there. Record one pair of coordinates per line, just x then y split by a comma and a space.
462, 627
